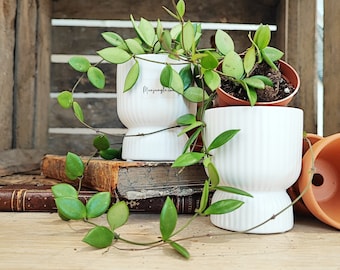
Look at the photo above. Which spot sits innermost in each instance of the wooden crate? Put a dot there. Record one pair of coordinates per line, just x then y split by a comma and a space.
28, 106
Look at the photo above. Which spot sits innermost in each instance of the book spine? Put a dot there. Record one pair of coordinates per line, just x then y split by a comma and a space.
26, 200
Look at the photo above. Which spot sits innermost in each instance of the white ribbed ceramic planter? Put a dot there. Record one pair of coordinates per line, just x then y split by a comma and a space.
149, 107
264, 158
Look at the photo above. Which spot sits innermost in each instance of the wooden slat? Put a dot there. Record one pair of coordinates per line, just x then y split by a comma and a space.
64, 77
296, 31
7, 24
331, 64
209, 11
32, 57
98, 113
80, 144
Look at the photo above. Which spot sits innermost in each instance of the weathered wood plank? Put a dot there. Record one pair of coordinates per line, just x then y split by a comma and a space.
331, 64
7, 30
25, 65
98, 113
81, 144
296, 37
42, 97
209, 11
64, 77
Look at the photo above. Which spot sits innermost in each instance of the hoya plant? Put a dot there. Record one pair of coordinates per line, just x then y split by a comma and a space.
238, 68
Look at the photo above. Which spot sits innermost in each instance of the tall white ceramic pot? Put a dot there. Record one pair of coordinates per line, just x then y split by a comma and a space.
147, 108
264, 159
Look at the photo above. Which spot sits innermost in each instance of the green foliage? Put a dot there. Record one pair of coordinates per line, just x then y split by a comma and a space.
74, 166
118, 215
101, 142
168, 219
65, 99
98, 204
99, 237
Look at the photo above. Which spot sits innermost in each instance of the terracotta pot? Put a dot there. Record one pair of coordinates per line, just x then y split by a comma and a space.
288, 72
323, 198
293, 191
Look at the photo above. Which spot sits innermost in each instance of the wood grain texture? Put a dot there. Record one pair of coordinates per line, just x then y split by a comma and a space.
7, 43
56, 244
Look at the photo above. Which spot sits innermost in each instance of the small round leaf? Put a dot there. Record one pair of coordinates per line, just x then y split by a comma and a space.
99, 237
168, 219
101, 142
131, 77
78, 112
74, 166
188, 159
224, 42
114, 55
195, 94
110, 153
98, 204
118, 215
71, 208
79, 63
96, 77
65, 99
64, 190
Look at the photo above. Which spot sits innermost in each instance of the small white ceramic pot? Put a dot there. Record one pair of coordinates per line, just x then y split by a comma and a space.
149, 107
264, 159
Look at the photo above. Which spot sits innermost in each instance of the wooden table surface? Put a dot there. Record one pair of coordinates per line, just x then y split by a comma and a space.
42, 241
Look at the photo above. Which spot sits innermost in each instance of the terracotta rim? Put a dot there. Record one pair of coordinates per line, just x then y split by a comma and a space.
289, 73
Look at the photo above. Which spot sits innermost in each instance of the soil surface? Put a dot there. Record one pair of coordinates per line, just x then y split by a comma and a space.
280, 90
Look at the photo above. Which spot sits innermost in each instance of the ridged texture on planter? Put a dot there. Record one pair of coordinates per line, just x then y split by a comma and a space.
149, 107
264, 158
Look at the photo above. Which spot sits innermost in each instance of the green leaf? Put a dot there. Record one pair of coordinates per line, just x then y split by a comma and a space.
251, 93
114, 39
262, 36
269, 61
254, 82
134, 46
186, 76
98, 204
64, 190
168, 219
180, 249
96, 77
186, 119
166, 40
234, 190
212, 79
131, 77
170, 78
213, 175
74, 166
147, 32
223, 207
265, 79
192, 139
273, 53
224, 43
110, 153
249, 60
118, 215
71, 208
232, 65
78, 112
180, 8
79, 63
188, 159
222, 138
99, 237
101, 142
114, 55
209, 61
188, 36
195, 94
65, 99
194, 125
204, 198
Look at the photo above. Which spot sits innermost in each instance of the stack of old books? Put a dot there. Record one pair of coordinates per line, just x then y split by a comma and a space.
26, 180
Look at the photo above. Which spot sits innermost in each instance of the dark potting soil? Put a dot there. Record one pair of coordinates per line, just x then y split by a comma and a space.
280, 90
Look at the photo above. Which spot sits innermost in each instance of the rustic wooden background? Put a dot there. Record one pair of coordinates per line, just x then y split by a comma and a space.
34, 53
